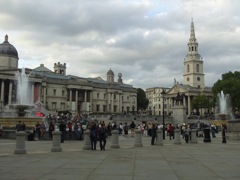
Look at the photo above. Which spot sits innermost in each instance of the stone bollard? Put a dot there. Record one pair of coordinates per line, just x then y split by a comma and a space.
138, 138
159, 137
56, 141
115, 134
194, 136
87, 141
20, 143
207, 137
177, 136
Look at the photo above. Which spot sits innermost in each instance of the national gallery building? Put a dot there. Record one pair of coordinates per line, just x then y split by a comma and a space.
57, 91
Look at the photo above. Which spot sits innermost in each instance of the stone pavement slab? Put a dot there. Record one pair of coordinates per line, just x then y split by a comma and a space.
186, 161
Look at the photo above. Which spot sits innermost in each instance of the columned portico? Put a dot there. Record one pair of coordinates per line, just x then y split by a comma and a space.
10, 93
2, 91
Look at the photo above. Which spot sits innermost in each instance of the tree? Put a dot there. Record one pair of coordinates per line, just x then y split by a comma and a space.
202, 102
142, 101
230, 84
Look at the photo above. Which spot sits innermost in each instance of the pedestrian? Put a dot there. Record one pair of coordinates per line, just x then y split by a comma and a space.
93, 135
171, 131
62, 128
153, 134
50, 129
187, 133
102, 136
132, 127
19, 126
70, 130
125, 130
38, 129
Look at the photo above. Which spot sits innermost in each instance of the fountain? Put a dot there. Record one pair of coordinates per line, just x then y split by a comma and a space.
224, 111
23, 107
223, 106
23, 91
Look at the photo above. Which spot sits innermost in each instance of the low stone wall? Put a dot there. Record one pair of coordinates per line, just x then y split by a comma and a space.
11, 134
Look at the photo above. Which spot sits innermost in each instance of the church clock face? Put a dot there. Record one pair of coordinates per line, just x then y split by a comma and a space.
198, 78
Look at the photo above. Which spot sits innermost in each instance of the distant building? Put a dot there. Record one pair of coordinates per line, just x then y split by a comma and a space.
57, 91
193, 86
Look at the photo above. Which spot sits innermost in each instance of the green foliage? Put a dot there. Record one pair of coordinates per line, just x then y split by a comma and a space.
142, 101
202, 101
230, 84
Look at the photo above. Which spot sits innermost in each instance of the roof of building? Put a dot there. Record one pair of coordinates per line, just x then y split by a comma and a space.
110, 72
42, 68
8, 49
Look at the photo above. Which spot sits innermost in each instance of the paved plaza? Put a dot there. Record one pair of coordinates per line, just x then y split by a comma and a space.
172, 162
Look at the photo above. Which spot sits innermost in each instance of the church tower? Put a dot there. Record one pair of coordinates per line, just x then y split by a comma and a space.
193, 63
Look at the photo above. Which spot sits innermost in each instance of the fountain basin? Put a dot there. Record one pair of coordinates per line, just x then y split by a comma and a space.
21, 108
10, 122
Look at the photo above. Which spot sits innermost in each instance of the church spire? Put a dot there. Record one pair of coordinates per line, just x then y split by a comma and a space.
192, 44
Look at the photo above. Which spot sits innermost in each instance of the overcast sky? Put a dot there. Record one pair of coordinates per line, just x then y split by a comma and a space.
145, 40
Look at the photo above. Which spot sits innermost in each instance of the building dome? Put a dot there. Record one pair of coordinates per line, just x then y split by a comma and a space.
8, 49
110, 72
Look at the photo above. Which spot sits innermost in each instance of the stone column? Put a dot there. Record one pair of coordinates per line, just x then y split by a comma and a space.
2, 91
39, 92
159, 137
33, 93
56, 141
87, 142
138, 138
20, 143
70, 99
10, 93
120, 103
76, 103
108, 104
177, 136
189, 105
115, 135
44, 95
85, 96
194, 136
112, 97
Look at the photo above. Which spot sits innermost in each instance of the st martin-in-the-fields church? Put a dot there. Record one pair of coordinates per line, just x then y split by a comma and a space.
180, 96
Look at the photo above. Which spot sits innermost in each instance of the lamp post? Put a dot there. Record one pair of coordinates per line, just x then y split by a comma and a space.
163, 98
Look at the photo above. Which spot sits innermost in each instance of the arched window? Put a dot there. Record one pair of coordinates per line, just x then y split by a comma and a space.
188, 68
197, 67
192, 48
195, 48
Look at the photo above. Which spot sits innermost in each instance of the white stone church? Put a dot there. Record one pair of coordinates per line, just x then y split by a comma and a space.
193, 86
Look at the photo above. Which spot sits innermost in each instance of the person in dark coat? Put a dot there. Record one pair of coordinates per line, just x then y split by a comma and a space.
154, 134
102, 136
93, 135
50, 129
62, 128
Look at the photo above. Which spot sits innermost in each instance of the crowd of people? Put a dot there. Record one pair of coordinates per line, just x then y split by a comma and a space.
72, 129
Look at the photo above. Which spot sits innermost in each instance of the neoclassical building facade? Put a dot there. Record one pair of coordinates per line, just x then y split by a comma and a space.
194, 84
57, 91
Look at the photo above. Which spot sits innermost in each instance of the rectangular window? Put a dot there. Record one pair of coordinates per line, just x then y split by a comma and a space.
104, 108
54, 106
104, 95
63, 92
54, 92
115, 108
97, 95
97, 107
